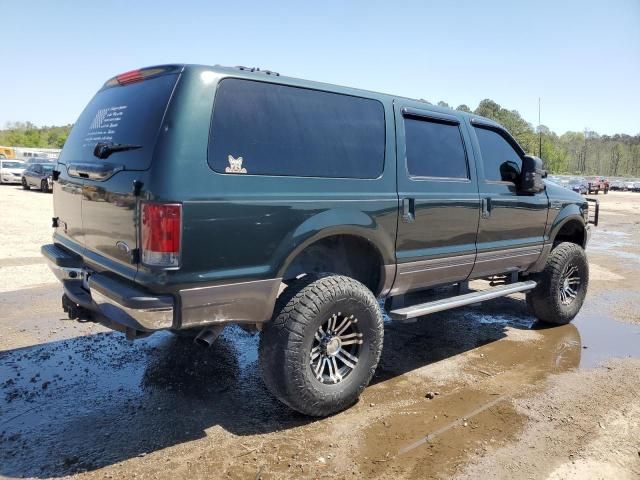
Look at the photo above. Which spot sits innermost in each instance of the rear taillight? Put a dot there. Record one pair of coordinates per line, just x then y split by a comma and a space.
160, 234
130, 77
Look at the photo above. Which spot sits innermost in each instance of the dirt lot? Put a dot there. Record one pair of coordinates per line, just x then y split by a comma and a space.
512, 399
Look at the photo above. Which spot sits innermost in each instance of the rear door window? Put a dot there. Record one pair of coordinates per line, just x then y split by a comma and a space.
267, 129
129, 114
434, 149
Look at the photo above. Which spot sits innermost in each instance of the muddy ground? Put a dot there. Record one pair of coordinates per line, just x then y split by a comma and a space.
512, 399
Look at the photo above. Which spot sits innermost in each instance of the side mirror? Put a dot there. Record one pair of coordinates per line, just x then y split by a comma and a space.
531, 178
509, 171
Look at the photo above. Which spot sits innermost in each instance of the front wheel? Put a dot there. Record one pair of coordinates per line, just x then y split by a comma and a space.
562, 285
25, 185
44, 186
323, 345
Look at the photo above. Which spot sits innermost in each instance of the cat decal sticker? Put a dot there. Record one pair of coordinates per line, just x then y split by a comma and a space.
235, 165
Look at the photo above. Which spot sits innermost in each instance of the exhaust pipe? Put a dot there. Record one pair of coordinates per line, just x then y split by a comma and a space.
208, 335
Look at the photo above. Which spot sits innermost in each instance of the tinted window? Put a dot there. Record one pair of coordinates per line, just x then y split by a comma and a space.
500, 160
282, 130
121, 114
12, 165
434, 149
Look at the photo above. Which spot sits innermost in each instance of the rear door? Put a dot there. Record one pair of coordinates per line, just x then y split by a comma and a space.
512, 223
439, 202
97, 194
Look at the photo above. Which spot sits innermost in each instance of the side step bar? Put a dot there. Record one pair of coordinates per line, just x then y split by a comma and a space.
460, 300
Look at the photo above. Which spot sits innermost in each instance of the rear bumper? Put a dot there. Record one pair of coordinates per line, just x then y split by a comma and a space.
113, 299
117, 302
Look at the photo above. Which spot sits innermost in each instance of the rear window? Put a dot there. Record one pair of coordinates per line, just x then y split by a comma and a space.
266, 129
12, 164
130, 114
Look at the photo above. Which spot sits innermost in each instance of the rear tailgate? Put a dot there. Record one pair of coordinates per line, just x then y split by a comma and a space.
95, 198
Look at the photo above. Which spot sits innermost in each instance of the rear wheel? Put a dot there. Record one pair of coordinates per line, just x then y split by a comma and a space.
324, 343
25, 185
562, 285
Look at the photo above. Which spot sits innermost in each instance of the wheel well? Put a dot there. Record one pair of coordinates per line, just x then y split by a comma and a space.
347, 255
573, 232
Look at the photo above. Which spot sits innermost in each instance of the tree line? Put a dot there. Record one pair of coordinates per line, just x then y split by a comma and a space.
581, 153
26, 134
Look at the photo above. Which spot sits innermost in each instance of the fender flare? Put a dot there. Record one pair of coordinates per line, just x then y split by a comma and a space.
570, 213
335, 222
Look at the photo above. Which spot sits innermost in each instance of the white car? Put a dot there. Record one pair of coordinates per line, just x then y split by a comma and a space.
11, 171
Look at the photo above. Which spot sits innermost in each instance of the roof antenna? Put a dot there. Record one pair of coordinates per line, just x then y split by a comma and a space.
539, 131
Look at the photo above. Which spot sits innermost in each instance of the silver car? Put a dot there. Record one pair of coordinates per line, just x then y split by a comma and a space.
38, 175
11, 171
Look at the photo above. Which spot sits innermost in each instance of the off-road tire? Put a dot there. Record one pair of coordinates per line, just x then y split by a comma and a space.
545, 301
286, 343
25, 185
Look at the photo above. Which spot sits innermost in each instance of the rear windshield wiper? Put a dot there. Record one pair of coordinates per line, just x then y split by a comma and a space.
103, 150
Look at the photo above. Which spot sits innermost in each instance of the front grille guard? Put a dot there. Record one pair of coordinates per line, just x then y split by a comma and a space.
594, 215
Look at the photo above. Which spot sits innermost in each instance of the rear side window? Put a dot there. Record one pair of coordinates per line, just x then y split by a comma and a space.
434, 149
500, 160
129, 114
266, 129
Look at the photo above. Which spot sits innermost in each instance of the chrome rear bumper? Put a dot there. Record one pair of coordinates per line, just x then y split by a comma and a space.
116, 300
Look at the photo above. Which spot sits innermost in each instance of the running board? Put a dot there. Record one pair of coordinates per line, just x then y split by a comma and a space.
460, 300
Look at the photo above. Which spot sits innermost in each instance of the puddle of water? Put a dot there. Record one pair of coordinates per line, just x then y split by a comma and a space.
422, 438
603, 336
602, 241
604, 232
501, 319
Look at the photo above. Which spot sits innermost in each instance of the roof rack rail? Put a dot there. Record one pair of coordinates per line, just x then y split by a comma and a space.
257, 70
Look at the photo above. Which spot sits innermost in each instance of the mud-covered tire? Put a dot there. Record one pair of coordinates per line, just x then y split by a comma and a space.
550, 302
287, 343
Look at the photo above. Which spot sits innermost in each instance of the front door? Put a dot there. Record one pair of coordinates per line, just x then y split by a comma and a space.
512, 224
439, 203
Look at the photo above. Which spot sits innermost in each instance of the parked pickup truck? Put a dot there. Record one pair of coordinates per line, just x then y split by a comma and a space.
597, 184
190, 197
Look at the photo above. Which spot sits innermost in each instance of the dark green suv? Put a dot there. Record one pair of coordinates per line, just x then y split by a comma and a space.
190, 197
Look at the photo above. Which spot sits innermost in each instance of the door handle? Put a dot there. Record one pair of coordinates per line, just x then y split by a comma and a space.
408, 210
93, 171
486, 207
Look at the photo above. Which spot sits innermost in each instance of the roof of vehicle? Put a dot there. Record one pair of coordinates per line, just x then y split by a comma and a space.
270, 76
267, 75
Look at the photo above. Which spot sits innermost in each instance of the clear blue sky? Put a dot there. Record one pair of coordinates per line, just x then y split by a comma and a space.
581, 57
